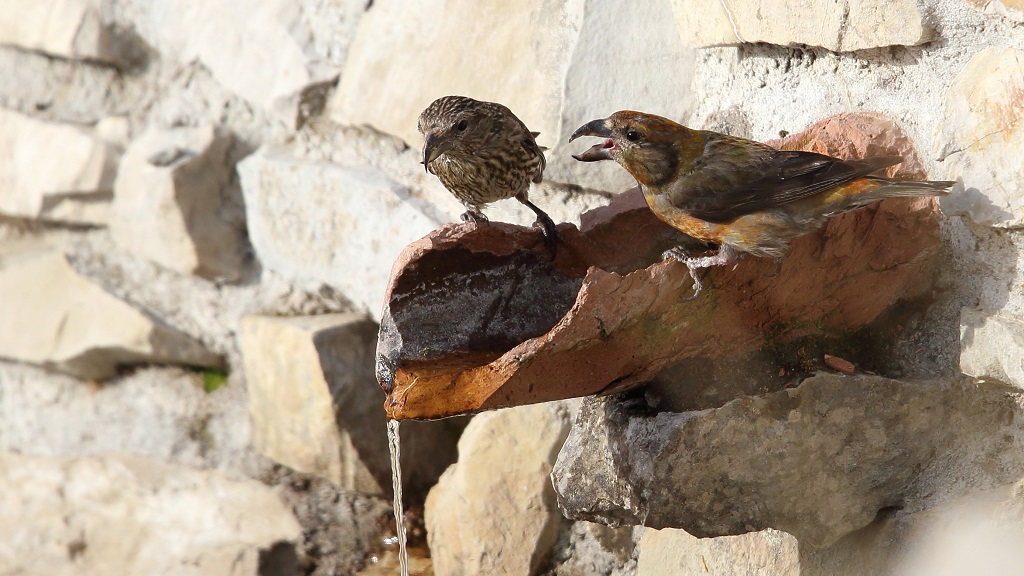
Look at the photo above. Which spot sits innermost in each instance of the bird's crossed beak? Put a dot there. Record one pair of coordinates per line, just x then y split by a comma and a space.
433, 146
597, 151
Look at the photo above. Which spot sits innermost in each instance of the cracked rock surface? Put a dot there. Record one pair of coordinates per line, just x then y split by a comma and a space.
817, 461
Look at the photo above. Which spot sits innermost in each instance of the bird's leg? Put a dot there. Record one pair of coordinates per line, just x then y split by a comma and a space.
547, 225
474, 215
778, 268
723, 256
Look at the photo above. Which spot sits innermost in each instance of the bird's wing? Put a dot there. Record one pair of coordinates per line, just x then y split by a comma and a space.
734, 177
530, 144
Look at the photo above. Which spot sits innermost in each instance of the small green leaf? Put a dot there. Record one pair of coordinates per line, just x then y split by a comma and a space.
213, 379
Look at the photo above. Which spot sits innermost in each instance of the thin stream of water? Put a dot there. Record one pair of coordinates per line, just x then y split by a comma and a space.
396, 483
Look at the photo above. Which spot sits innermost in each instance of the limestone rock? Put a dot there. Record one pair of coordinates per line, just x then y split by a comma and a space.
128, 515
549, 62
841, 26
980, 136
671, 551
482, 56
58, 319
270, 61
155, 412
292, 403
591, 548
1012, 9
977, 535
493, 512
317, 223
992, 346
168, 195
315, 407
595, 84
818, 461
71, 182
982, 535
64, 28
115, 129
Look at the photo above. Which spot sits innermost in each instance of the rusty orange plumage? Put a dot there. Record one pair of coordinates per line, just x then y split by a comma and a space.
742, 195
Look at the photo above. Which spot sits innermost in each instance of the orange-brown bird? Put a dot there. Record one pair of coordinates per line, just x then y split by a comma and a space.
483, 153
742, 195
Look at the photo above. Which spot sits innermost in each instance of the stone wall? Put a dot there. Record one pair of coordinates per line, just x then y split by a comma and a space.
200, 204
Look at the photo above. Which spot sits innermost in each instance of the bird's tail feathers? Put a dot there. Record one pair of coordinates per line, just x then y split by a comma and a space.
535, 134
904, 189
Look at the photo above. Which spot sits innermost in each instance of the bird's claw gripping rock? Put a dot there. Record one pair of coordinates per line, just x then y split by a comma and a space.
723, 256
550, 232
474, 216
695, 265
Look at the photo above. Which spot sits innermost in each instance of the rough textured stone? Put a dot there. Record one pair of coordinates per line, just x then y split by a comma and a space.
318, 223
586, 548
571, 74
304, 414
58, 319
73, 181
842, 26
977, 535
168, 195
818, 461
493, 512
481, 56
596, 83
127, 515
315, 408
669, 551
980, 137
342, 531
156, 412
1012, 9
272, 72
992, 347
114, 129
65, 28
981, 535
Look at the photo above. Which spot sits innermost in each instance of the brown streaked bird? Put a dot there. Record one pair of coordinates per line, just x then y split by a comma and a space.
483, 153
742, 195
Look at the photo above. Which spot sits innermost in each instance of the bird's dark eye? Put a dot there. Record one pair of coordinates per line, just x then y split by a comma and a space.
461, 125
632, 135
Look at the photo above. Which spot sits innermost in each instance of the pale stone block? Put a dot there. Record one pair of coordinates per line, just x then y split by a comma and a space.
494, 512
642, 66
992, 347
65, 28
310, 393
769, 552
408, 53
1012, 9
54, 171
168, 197
980, 137
841, 26
56, 318
268, 60
130, 515
555, 65
320, 224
